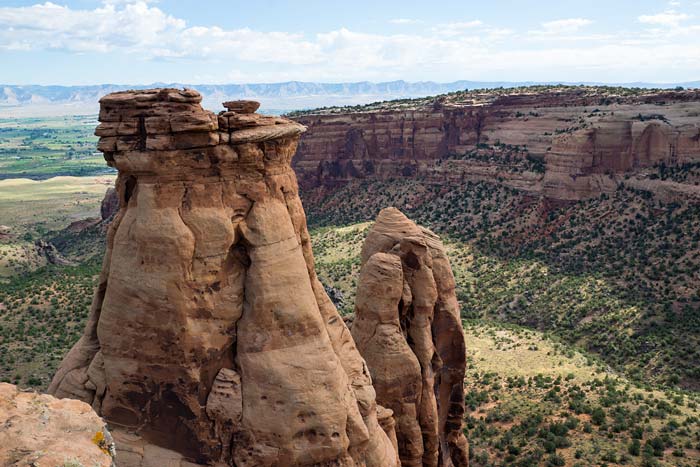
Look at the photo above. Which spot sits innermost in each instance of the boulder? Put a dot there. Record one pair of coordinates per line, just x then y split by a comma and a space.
42, 431
242, 106
110, 204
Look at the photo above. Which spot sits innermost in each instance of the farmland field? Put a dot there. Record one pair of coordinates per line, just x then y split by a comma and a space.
41, 148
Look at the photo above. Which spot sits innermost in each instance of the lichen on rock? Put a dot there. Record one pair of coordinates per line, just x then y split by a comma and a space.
40, 430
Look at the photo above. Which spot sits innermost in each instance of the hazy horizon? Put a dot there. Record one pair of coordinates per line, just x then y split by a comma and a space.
514, 83
20, 101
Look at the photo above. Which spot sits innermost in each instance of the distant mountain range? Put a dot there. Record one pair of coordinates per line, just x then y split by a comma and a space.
35, 100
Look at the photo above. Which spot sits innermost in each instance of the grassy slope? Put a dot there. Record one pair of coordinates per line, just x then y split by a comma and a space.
43, 307
42, 314
616, 275
534, 401
39, 206
31, 209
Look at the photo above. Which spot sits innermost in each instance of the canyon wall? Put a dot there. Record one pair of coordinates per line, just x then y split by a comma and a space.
565, 145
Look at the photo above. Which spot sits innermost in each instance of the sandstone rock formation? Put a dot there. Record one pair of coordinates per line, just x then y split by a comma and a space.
583, 163
577, 132
242, 107
42, 431
210, 338
48, 251
110, 204
407, 327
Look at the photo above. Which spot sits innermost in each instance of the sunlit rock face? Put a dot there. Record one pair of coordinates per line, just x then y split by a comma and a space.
38, 429
210, 339
408, 329
586, 141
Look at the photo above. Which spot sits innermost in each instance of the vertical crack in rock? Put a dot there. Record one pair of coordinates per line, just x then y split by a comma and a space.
142, 133
210, 338
408, 329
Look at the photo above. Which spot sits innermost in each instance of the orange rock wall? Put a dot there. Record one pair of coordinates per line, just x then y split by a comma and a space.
585, 143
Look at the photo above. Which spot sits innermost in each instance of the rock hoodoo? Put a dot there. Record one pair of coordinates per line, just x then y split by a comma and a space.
210, 339
408, 329
40, 430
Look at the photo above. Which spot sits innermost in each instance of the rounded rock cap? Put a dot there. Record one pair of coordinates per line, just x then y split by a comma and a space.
242, 106
146, 97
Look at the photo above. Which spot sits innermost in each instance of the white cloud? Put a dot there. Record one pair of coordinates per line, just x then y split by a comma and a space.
563, 26
560, 50
464, 24
669, 18
51, 26
457, 28
405, 21
496, 35
121, 2
348, 50
138, 28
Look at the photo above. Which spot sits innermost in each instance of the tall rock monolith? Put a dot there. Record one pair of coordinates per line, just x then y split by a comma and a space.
408, 329
210, 339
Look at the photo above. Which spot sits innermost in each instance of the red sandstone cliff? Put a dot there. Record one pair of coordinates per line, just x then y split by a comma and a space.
565, 144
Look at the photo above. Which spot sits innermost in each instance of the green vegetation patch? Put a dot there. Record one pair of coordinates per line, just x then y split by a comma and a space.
42, 314
616, 275
41, 148
534, 401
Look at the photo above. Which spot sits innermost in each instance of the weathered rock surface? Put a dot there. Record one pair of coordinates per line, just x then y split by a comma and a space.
407, 327
110, 204
242, 107
48, 250
210, 338
42, 431
588, 142
588, 162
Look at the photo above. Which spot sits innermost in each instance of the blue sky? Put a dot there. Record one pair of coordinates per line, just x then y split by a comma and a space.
139, 42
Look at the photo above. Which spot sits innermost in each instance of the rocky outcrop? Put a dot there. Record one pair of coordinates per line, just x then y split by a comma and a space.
42, 431
407, 327
588, 162
110, 204
50, 253
588, 141
210, 338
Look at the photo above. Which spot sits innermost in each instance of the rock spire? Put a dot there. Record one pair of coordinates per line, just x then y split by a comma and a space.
408, 329
210, 339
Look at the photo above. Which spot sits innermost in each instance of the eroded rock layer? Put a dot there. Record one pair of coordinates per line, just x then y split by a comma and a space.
566, 143
210, 339
408, 329
40, 430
